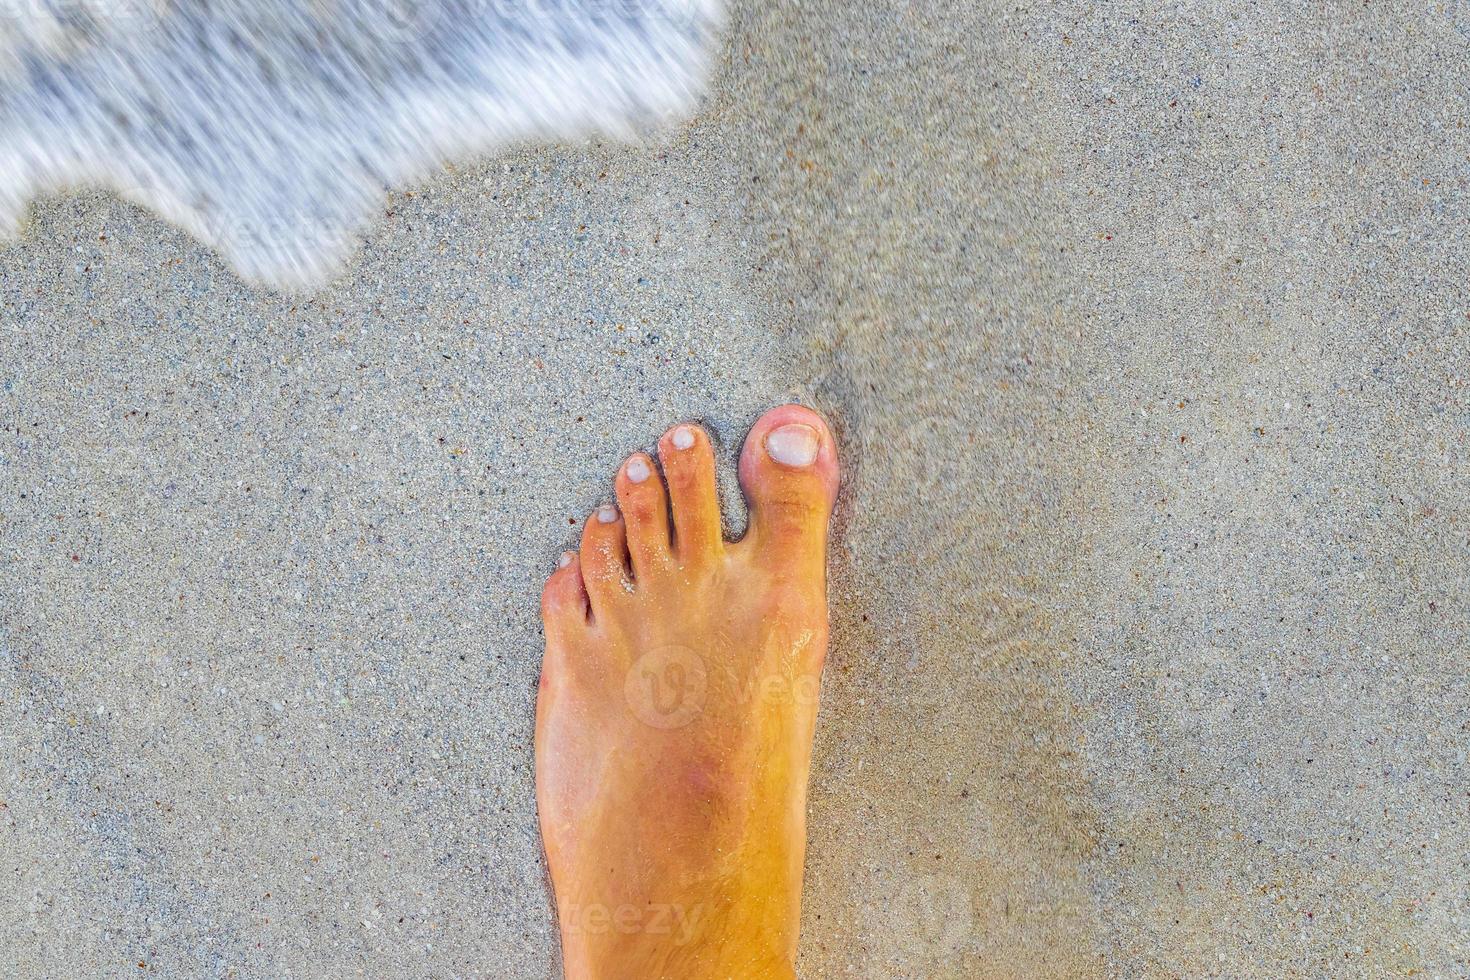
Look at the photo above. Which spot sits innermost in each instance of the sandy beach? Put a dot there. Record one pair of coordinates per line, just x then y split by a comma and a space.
1147, 335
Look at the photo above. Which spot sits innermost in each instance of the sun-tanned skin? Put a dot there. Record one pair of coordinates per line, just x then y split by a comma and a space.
674, 721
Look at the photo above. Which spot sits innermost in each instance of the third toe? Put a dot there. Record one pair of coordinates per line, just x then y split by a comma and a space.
645, 509
689, 468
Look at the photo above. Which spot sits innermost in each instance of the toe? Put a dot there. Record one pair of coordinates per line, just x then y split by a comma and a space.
788, 471
646, 515
564, 601
689, 468
604, 559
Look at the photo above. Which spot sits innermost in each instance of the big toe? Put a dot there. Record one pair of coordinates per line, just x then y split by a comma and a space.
789, 473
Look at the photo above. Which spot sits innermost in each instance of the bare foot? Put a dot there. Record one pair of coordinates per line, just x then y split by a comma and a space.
678, 697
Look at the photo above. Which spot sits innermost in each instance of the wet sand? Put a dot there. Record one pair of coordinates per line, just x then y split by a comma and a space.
1146, 337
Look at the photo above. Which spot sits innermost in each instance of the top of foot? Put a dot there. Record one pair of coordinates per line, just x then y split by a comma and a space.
678, 696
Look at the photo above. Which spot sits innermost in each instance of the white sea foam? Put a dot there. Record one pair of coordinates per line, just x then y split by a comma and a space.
272, 131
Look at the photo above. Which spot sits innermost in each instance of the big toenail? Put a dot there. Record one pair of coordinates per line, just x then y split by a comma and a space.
564, 560
683, 437
793, 445
637, 469
607, 513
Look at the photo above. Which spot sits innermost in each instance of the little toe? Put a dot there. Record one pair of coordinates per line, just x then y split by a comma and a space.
689, 469
645, 509
564, 601
789, 473
604, 559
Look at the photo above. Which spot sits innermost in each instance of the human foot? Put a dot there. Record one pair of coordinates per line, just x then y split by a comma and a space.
678, 697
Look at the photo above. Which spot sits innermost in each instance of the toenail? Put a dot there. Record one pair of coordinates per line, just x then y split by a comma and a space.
637, 469
793, 445
564, 560
683, 437
607, 513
